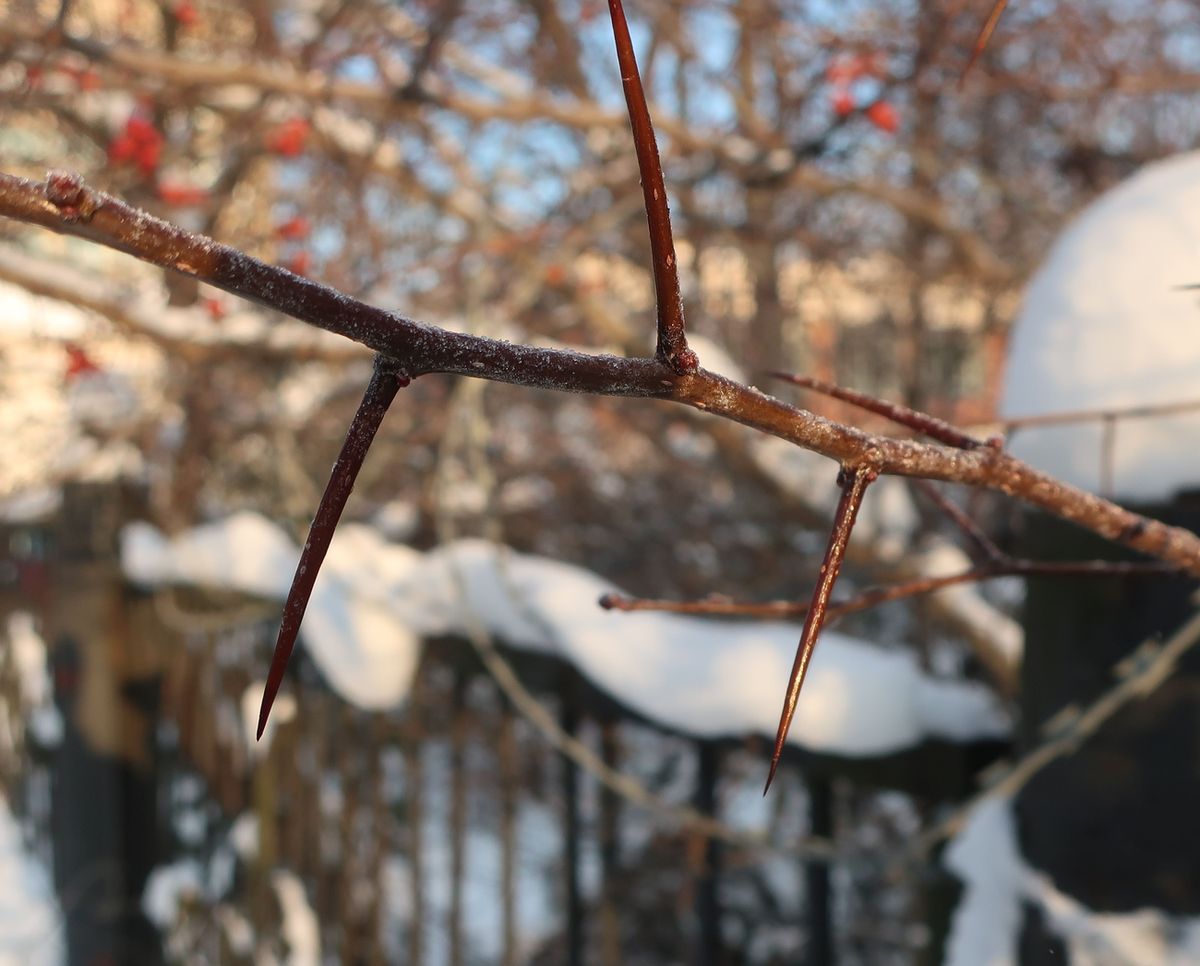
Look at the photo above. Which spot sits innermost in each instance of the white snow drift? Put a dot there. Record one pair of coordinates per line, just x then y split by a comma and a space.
375, 601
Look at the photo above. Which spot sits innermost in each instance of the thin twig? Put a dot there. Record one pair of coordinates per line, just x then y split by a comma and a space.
920, 422
386, 381
854, 482
985, 34
970, 529
1141, 411
875, 596
672, 341
1138, 676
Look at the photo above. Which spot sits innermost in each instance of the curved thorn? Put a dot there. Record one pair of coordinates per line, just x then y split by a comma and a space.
386, 381
854, 484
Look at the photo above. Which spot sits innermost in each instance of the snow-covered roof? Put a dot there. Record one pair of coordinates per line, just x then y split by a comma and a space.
1108, 322
375, 600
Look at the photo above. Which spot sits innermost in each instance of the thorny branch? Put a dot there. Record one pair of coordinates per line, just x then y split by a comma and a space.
63, 203
407, 348
66, 205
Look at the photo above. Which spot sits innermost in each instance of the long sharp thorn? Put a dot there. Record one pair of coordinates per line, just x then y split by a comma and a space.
386, 381
854, 484
898, 413
672, 341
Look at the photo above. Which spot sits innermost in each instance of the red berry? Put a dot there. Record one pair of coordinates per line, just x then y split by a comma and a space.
299, 263
146, 156
183, 195
883, 116
140, 129
293, 229
186, 13
289, 137
78, 361
843, 103
121, 149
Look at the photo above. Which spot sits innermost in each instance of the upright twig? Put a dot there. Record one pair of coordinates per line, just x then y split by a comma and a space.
854, 482
672, 347
1108, 450
985, 34
386, 381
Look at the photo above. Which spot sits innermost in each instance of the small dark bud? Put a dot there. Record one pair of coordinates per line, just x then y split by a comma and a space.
686, 362
67, 192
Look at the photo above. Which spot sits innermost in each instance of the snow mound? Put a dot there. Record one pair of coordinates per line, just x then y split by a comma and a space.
30, 922
1107, 322
375, 600
999, 883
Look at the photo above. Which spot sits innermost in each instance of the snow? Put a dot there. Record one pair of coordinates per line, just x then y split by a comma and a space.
998, 882
244, 552
374, 601
300, 928
31, 505
243, 835
27, 651
47, 416
715, 358
238, 931
1106, 323
30, 921
168, 887
988, 918
941, 559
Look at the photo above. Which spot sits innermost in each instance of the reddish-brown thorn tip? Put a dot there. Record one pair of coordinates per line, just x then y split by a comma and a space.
672, 341
854, 483
386, 381
922, 423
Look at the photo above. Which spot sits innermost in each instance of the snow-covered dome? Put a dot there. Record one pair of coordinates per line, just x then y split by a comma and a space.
1108, 322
